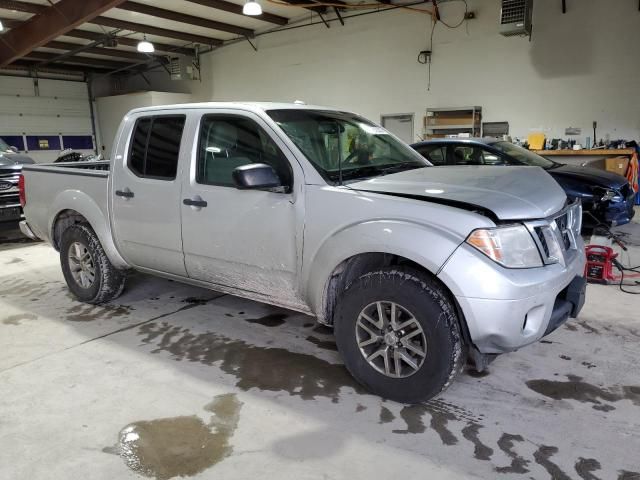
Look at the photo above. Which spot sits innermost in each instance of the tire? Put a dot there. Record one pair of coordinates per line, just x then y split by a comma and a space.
99, 281
418, 296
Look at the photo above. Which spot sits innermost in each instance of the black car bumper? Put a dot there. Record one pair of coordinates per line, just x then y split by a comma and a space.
10, 213
568, 303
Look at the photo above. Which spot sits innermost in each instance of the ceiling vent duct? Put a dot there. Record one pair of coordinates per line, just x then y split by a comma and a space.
515, 17
182, 68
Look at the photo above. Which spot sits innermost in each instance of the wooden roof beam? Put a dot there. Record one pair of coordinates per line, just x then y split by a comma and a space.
75, 59
112, 22
184, 18
237, 9
49, 23
106, 52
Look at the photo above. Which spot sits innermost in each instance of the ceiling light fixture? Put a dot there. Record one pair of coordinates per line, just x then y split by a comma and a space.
252, 7
1, 26
145, 46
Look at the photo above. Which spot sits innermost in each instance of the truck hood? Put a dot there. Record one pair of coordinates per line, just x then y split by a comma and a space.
10, 159
510, 193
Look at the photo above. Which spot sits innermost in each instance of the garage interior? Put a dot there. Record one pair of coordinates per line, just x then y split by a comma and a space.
176, 381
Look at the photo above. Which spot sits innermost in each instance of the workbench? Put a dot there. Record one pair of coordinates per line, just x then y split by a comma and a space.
586, 157
590, 152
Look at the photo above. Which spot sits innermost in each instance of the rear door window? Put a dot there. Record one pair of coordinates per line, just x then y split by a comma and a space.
155, 146
467, 155
436, 154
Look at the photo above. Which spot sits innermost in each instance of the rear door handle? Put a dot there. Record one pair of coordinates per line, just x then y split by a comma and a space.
195, 202
126, 193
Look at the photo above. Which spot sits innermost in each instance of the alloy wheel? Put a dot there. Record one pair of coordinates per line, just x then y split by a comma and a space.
81, 265
390, 339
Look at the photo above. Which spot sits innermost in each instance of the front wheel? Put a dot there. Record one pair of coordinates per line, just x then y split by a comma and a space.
398, 334
89, 274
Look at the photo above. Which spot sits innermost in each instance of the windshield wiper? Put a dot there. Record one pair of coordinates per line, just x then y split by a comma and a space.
374, 171
554, 165
362, 172
398, 167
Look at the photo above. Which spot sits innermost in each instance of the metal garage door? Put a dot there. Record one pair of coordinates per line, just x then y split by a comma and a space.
43, 116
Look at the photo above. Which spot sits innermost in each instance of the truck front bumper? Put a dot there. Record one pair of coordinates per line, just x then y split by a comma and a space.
506, 309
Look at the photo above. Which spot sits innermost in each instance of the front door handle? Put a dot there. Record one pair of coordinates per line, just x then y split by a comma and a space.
195, 202
126, 193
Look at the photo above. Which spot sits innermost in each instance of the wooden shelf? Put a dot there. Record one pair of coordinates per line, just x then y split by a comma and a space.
466, 126
620, 151
454, 120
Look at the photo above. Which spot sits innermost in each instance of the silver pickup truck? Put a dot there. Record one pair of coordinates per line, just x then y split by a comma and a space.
323, 212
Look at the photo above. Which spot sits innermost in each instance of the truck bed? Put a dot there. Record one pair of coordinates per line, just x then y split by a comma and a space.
100, 169
74, 183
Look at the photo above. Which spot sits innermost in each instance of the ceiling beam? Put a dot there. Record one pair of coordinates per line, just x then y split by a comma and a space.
106, 52
237, 9
50, 23
161, 32
93, 36
113, 22
90, 61
10, 23
22, 6
130, 42
309, 5
184, 18
29, 65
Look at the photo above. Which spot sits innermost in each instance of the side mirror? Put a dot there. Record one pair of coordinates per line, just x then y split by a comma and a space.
13, 149
256, 176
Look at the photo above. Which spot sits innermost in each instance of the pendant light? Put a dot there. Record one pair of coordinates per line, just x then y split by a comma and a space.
252, 8
145, 46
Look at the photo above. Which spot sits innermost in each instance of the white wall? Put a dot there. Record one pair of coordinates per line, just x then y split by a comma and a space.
579, 67
111, 110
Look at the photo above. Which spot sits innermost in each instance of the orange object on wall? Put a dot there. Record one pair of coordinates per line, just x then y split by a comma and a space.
632, 172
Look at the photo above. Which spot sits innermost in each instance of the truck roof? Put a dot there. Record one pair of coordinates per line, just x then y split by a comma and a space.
251, 106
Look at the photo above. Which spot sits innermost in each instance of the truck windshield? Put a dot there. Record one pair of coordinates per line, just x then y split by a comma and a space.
3, 146
523, 155
343, 146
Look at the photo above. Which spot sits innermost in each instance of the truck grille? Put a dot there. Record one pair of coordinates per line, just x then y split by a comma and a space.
542, 240
557, 235
9, 196
564, 227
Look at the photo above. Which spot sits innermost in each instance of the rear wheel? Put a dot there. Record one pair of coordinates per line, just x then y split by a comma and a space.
398, 333
89, 274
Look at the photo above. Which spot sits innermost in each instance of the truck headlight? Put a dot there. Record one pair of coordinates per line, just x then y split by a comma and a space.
510, 246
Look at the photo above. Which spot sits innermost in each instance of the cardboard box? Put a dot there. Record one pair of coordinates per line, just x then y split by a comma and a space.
617, 165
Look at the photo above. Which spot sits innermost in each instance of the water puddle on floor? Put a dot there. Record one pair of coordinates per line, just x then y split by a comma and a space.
263, 368
179, 446
575, 388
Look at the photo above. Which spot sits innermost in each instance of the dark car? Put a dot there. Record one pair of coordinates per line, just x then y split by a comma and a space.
70, 155
606, 196
10, 167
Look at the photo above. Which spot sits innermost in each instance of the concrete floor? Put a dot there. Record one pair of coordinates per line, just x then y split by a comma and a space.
173, 380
